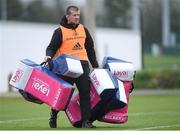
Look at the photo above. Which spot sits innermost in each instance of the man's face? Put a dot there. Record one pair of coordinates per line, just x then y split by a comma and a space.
73, 17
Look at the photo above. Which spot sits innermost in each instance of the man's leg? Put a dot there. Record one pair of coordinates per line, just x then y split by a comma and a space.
83, 86
53, 118
53, 114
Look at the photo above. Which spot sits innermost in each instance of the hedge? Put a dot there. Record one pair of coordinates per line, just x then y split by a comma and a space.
157, 79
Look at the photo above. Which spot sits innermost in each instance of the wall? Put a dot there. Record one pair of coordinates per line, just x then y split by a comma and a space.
122, 44
27, 40
19, 41
1, 57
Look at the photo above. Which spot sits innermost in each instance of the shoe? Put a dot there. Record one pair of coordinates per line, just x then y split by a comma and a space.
53, 121
87, 124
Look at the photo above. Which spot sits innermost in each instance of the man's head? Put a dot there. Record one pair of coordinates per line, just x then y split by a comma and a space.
73, 14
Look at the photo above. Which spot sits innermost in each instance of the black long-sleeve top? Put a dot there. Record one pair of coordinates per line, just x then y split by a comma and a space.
56, 42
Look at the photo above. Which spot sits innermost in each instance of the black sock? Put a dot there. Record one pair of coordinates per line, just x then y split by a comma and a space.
54, 112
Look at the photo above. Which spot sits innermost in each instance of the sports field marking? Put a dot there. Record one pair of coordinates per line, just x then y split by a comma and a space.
153, 113
157, 127
130, 114
22, 120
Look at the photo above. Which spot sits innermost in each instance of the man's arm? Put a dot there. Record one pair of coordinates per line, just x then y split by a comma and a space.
55, 43
89, 45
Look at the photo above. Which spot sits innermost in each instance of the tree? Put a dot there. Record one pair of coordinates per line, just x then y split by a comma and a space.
152, 20
14, 9
175, 16
115, 14
37, 11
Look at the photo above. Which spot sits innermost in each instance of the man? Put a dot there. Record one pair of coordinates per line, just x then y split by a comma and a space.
74, 39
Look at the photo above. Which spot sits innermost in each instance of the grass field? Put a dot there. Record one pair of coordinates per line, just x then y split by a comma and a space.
161, 62
153, 112
146, 112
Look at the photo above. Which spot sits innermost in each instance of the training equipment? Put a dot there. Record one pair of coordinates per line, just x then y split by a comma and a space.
119, 115
111, 85
73, 110
42, 84
104, 83
114, 116
67, 65
123, 70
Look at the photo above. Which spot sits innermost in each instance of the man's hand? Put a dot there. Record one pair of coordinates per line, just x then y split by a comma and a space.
49, 62
132, 88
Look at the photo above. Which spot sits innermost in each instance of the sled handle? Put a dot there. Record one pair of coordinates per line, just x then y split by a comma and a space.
43, 63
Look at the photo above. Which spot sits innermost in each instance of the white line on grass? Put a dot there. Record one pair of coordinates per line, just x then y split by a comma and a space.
154, 113
22, 120
157, 127
130, 114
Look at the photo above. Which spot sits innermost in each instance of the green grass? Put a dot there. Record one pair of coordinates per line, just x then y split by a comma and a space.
160, 112
154, 112
165, 62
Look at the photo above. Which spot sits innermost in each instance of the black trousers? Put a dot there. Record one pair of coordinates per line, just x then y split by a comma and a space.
83, 86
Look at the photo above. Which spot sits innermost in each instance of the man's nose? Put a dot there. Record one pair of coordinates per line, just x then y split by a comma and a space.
77, 17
